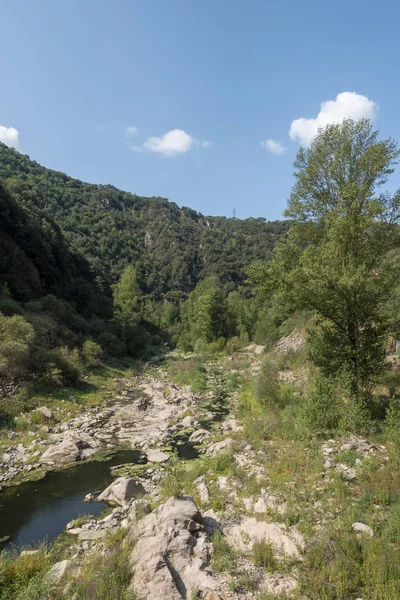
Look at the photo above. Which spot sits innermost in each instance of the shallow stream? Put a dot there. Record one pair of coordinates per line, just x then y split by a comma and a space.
38, 510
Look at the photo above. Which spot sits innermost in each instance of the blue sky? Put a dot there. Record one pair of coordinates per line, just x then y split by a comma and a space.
221, 76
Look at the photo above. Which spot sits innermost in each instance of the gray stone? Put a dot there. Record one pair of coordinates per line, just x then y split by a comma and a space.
156, 456
66, 452
199, 436
223, 446
62, 569
330, 463
46, 412
122, 491
362, 528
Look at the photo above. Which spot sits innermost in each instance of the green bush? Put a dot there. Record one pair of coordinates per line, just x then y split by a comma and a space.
264, 555
391, 429
322, 406
91, 352
16, 334
62, 366
266, 385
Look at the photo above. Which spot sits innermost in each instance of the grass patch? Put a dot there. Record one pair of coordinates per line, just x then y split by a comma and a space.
224, 557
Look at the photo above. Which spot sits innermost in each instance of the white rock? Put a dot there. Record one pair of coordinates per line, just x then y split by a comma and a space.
223, 446
66, 452
62, 569
361, 527
330, 463
157, 456
122, 491
199, 436
46, 412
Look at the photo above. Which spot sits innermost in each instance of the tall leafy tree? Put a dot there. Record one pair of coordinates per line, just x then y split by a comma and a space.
126, 301
334, 262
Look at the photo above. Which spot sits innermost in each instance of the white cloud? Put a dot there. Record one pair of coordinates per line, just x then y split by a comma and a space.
205, 144
131, 130
273, 146
346, 105
172, 143
9, 136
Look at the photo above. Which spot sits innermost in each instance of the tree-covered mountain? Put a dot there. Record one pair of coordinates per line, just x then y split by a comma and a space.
172, 248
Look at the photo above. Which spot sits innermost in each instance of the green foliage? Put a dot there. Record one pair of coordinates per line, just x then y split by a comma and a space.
22, 577
189, 372
322, 406
172, 247
334, 263
16, 334
224, 557
264, 555
266, 385
91, 352
392, 429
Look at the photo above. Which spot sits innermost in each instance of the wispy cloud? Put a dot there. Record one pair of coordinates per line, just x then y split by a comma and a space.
346, 105
134, 148
131, 130
273, 146
9, 136
205, 144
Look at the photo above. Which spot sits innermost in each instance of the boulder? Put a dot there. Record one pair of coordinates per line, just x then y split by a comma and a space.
66, 452
218, 447
156, 456
62, 569
361, 527
169, 557
46, 412
122, 491
199, 436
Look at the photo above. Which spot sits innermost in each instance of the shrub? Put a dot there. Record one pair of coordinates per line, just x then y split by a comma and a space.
224, 558
391, 428
322, 407
62, 365
264, 555
15, 337
266, 386
91, 352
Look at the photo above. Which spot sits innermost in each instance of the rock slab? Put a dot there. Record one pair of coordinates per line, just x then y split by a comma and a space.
122, 491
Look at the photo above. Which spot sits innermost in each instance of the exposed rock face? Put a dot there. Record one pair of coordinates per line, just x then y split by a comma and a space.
156, 456
121, 491
171, 553
284, 540
218, 447
62, 569
292, 342
66, 452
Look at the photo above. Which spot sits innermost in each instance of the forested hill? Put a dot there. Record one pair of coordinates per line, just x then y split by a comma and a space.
171, 247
